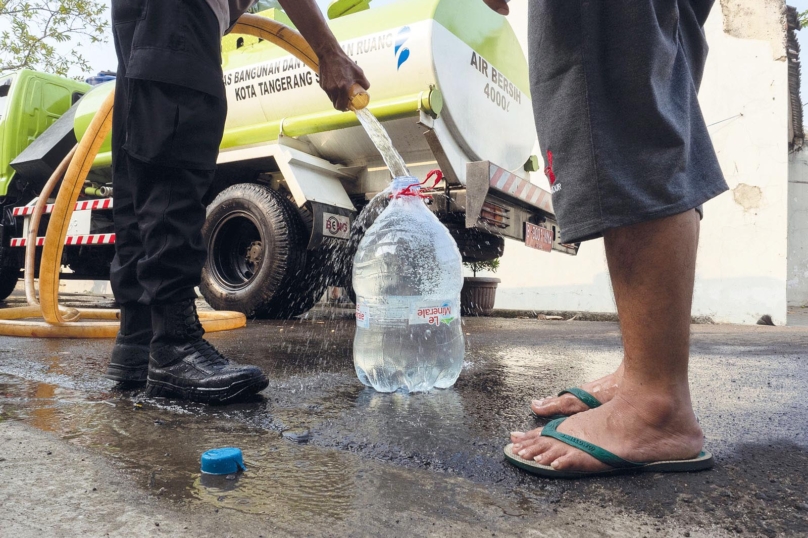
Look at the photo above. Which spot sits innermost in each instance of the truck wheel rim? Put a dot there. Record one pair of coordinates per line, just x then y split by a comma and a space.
236, 251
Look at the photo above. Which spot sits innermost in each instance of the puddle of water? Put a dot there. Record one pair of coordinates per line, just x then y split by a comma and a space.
161, 446
422, 420
392, 451
312, 387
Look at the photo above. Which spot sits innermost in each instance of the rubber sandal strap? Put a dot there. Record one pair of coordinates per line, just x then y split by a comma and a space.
600, 454
582, 395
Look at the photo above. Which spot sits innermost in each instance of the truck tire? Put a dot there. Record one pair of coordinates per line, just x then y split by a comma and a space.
311, 286
256, 252
314, 279
9, 276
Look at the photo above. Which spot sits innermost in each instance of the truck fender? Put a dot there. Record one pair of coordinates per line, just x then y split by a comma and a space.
311, 180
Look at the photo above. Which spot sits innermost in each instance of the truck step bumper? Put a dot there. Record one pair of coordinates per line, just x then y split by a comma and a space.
501, 202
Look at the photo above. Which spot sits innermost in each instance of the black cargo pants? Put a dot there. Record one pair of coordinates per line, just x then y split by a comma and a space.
168, 122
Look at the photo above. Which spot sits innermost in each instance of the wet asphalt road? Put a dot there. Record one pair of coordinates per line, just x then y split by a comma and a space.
426, 463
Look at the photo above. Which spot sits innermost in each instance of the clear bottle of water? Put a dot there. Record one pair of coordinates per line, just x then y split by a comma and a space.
407, 277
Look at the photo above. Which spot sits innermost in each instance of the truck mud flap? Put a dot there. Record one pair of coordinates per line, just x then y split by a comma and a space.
501, 202
329, 222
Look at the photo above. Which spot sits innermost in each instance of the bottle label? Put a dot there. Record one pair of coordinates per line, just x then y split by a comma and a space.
362, 314
433, 313
414, 310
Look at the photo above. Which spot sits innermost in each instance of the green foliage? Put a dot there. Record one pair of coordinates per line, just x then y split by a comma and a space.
803, 19
476, 267
35, 34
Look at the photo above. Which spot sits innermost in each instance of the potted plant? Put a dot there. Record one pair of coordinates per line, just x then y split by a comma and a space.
479, 293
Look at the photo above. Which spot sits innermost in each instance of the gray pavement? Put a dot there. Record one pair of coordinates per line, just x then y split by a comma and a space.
78, 458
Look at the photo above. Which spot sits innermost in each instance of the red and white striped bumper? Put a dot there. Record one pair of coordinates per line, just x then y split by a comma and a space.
73, 240
93, 239
513, 185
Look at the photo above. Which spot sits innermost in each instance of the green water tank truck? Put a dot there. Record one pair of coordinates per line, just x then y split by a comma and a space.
449, 83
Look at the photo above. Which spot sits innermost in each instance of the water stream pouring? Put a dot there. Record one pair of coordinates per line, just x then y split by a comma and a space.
378, 135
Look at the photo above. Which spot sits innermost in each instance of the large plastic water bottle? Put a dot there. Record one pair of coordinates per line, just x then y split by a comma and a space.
407, 277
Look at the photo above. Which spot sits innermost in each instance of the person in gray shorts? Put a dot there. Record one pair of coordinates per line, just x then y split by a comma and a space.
628, 156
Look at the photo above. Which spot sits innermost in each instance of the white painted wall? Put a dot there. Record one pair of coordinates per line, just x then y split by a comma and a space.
741, 271
797, 290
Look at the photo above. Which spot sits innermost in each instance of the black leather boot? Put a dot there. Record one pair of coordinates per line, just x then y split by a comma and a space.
129, 362
182, 364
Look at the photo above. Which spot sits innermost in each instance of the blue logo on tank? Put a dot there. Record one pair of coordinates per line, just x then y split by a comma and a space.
401, 51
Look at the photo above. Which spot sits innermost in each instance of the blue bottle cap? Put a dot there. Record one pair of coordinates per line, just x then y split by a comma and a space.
223, 461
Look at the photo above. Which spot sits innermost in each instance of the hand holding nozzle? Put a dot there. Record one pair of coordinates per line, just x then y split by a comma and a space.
343, 81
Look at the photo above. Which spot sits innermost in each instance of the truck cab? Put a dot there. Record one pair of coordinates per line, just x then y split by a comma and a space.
30, 103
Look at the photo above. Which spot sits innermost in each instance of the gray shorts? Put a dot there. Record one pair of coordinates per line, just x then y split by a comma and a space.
614, 86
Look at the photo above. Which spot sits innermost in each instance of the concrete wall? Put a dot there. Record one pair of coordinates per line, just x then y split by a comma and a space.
797, 290
741, 272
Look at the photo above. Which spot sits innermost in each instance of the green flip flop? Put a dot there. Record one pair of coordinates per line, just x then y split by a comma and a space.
581, 394
618, 465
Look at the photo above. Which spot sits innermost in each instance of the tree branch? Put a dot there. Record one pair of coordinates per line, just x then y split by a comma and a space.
38, 26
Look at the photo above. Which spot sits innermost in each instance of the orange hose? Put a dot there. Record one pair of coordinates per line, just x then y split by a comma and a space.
33, 225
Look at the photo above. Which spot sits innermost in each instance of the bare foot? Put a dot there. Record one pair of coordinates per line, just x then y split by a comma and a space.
636, 428
602, 389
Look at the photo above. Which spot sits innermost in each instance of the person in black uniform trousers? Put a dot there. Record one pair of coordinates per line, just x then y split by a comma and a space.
168, 122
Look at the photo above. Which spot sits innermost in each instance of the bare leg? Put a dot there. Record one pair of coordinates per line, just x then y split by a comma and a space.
652, 267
